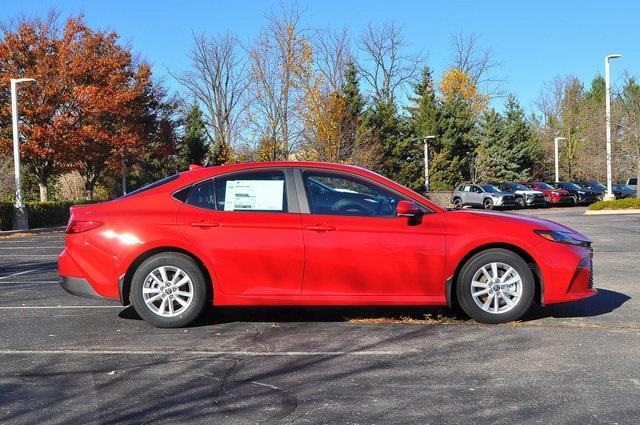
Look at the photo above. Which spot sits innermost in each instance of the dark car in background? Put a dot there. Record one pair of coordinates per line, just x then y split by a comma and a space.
484, 196
583, 196
525, 196
624, 190
554, 195
596, 187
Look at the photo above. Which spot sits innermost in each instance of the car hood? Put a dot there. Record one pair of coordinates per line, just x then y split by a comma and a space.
534, 223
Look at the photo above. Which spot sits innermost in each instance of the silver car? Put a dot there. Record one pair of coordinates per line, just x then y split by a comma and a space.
484, 196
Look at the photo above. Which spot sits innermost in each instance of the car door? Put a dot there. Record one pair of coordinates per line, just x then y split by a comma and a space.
356, 245
248, 225
475, 195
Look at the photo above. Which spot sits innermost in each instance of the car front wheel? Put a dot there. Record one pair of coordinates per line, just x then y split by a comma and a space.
168, 290
495, 286
488, 204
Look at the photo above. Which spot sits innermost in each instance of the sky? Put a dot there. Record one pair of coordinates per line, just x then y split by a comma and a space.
534, 41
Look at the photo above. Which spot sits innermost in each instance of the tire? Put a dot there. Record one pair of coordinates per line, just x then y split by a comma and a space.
520, 204
520, 292
487, 204
174, 314
457, 203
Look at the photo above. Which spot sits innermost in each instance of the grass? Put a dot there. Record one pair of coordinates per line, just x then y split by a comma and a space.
618, 204
426, 319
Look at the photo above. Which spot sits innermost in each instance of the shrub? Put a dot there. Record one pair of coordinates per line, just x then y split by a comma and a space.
618, 204
45, 214
6, 215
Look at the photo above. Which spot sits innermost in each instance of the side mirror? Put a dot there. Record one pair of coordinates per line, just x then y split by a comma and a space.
407, 209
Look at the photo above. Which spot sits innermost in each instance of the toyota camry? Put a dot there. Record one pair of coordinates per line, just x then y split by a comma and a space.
305, 233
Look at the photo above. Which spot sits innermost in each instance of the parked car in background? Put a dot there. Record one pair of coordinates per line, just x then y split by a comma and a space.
583, 196
555, 196
633, 183
267, 234
525, 197
625, 191
484, 196
619, 191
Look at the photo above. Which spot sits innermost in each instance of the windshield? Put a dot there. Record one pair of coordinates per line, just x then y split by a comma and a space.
545, 186
490, 188
597, 185
518, 186
571, 186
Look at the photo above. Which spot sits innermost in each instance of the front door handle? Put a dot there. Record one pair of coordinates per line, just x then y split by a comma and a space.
205, 224
320, 228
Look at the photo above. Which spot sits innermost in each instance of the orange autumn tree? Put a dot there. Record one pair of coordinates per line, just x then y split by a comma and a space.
90, 106
32, 49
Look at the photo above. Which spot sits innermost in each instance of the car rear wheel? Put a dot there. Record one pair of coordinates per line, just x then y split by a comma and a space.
168, 290
488, 204
495, 286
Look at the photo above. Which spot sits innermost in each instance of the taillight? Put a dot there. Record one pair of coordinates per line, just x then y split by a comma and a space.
77, 226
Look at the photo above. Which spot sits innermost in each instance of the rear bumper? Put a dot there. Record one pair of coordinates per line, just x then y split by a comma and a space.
80, 287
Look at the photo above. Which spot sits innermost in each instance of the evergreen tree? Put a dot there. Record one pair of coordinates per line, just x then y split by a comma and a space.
193, 146
523, 146
353, 108
382, 125
421, 123
493, 160
457, 140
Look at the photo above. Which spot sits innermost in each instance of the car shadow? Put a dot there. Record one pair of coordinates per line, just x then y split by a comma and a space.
605, 302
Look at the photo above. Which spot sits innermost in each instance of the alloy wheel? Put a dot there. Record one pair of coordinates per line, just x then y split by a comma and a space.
496, 288
167, 291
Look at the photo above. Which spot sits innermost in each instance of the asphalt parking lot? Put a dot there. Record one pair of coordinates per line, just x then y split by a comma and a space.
73, 360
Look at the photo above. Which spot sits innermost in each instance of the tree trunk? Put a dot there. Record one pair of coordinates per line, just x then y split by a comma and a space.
44, 194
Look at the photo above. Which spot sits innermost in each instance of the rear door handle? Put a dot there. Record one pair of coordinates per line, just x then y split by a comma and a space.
205, 224
320, 228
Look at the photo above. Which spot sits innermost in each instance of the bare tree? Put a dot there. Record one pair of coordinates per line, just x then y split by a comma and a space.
386, 67
629, 121
218, 80
479, 63
332, 55
280, 59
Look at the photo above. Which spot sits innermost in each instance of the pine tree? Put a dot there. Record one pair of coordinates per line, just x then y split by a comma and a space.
382, 125
524, 147
353, 107
421, 123
457, 140
193, 144
493, 159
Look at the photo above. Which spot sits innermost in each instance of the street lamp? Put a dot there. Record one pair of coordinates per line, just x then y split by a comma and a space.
20, 219
609, 196
555, 142
426, 162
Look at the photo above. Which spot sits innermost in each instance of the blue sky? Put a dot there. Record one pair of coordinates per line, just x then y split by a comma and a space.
533, 40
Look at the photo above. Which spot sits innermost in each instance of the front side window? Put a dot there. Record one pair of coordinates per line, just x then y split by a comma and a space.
259, 191
340, 194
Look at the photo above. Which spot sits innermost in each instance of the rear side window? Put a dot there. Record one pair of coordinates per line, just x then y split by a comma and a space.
152, 185
202, 195
633, 181
260, 191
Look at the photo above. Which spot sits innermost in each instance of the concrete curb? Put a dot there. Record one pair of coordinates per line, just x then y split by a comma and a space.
608, 212
38, 230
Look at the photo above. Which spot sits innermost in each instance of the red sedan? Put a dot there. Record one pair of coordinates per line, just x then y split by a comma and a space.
304, 233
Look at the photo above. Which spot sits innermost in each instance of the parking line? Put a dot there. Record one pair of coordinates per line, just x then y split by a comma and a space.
23, 272
29, 255
215, 353
30, 247
30, 281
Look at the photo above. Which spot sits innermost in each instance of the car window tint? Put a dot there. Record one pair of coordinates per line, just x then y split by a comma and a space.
467, 188
261, 191
338, 194
202, 195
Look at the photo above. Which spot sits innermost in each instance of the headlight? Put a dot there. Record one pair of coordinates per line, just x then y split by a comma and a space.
562, 237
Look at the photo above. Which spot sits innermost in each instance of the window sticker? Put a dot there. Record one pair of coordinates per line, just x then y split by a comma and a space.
248, 195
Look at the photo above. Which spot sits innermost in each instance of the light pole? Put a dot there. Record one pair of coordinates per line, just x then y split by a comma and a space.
607, 92
555, 142
426, 162
20, 219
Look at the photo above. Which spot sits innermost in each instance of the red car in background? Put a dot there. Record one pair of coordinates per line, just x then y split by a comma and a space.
304, 233
555, 196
